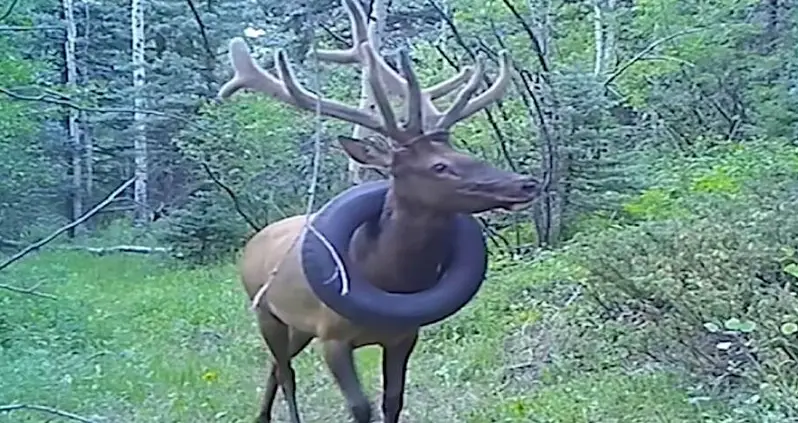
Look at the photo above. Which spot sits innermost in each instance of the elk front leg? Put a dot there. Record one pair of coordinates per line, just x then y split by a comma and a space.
340, 361
276, 335
394, 369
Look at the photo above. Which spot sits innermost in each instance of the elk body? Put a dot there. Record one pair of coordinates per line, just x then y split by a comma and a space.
430, 182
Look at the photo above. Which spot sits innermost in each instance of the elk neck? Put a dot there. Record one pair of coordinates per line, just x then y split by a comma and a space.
403, 250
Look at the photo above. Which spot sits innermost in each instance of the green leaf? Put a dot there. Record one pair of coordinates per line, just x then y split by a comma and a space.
736, 324
732, 324
747, 326
792, 269
789, 328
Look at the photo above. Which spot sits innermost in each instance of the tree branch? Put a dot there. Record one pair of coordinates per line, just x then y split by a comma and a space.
9, 10
29, 291
536, 46
64, 101
232, 195
11, 28
59, 231
647, 50
136, 249
203, 32
45, 409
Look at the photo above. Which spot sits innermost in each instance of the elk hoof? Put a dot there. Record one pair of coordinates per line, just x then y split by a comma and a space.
362, 413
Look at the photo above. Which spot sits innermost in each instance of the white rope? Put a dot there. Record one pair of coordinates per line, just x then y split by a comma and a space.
308, 226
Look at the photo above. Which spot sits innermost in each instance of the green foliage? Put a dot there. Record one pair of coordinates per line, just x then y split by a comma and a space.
675, 180
24, 161
654, 204
598, 169
714, 283
205, 231
267, 165
724, 172
607, 396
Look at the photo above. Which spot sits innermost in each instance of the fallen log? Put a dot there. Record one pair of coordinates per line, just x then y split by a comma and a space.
137, 249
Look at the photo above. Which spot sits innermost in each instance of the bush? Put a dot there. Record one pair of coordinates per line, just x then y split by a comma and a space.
206, 229
712, 291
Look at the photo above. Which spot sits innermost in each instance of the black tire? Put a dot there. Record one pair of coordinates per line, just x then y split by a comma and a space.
364, 303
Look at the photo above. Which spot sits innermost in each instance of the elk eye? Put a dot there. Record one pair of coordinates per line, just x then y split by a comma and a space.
439, 167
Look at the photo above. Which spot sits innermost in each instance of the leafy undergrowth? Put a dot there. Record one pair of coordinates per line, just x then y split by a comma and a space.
132, 339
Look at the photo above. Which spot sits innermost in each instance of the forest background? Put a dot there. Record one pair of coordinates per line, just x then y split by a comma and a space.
653, 282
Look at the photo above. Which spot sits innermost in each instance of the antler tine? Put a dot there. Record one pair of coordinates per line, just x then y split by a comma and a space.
249, 75
450, 116
357, 18
380, 96
304, 99
394, 82
443, 88
464, 108
414, 116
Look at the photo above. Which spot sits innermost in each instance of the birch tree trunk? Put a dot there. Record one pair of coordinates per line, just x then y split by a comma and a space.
598, 38
377, 17
604, 36
73, 130
609, 35
140, 137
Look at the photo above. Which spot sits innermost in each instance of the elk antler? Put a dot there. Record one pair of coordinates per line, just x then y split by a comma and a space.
434, 119
420, 110
248, 75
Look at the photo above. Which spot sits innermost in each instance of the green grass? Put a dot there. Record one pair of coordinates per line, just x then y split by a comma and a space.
132, 339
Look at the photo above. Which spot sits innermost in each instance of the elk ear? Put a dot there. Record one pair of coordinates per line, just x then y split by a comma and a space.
371, 151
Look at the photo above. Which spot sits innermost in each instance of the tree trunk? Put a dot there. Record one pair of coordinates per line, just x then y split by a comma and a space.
73, 128
87, 142
541, 23
598, 39
140, 137
377, 17
609, 35
603, 35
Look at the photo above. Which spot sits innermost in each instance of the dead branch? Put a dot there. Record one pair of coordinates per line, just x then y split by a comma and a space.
10, 243
59, 231
232, 195
8, 11
64, 101
647, 50
29, 291
536, 44
11, 28
203, 30
136, 249
50, 410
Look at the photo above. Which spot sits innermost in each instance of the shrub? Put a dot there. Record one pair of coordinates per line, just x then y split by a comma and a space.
206, 229
712, 291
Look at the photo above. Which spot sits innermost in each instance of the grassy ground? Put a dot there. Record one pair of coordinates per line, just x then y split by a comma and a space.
132, 339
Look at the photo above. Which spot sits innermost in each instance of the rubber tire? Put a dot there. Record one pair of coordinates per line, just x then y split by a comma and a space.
367, 305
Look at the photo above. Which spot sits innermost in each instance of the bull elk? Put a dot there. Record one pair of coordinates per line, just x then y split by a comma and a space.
401, 251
